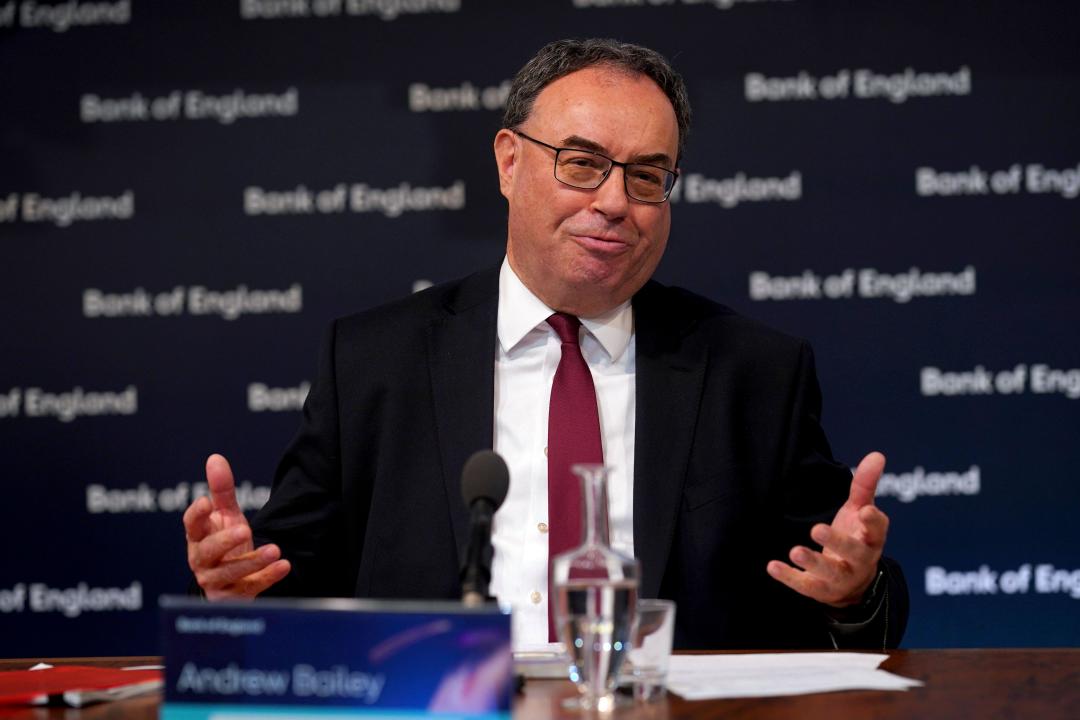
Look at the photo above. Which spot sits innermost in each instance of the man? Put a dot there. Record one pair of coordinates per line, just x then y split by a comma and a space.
708, 421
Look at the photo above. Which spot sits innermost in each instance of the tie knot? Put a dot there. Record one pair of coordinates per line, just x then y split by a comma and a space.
565, 326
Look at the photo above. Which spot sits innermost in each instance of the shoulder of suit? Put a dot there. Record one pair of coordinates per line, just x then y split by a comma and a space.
700, 314
418, 310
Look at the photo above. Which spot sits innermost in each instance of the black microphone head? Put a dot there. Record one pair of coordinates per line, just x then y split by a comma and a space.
485, 476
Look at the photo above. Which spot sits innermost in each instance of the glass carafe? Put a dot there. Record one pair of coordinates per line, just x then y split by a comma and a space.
596, 591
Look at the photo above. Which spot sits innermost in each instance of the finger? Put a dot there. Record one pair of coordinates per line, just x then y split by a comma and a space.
801, 582
197, 523
219, 478
876, 526
828, 569
257, 583
837, 593
864, 484
855, 549
210, 551
229, 572
252, 585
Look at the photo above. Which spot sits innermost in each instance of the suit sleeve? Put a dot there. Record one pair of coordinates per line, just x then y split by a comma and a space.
304, 513
816, 488
879, 623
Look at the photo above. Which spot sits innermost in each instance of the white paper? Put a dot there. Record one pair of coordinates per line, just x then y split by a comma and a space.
78, 698
708, 677
542, 665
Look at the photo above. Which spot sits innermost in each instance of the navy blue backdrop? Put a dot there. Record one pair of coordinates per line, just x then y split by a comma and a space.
189, 192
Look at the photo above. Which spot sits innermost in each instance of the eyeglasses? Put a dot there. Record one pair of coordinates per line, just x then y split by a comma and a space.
588, 170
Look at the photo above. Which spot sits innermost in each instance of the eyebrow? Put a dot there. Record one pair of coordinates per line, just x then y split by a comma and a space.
576, 141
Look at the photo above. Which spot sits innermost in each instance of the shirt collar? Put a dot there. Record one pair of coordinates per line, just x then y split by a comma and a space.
520, 312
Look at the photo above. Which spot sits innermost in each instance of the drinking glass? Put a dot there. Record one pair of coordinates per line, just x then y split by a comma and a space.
648, 663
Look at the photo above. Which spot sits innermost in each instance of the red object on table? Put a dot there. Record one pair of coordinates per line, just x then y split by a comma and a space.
18, 687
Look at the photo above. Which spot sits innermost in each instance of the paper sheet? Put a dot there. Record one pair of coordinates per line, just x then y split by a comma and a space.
542, 665
707, 677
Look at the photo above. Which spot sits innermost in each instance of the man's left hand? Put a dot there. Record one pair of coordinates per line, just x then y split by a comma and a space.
851, 546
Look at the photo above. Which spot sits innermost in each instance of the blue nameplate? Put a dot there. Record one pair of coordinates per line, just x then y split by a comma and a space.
334, 658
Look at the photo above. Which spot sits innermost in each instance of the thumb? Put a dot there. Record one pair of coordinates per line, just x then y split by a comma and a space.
219, 479
864, 484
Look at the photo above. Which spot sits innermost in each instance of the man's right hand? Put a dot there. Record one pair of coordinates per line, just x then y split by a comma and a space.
219, 546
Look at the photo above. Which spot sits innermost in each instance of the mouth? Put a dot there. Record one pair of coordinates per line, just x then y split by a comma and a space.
602, 244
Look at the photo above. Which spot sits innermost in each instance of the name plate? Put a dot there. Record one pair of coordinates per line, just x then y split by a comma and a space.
334, 658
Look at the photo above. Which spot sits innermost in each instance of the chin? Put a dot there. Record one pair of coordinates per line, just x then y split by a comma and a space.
592, 273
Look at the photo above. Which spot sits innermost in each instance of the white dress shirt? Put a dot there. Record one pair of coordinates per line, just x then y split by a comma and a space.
527, 355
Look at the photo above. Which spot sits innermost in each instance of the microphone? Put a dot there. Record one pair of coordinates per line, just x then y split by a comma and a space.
484, 481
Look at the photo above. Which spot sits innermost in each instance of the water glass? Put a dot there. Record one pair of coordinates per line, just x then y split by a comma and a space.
651, 649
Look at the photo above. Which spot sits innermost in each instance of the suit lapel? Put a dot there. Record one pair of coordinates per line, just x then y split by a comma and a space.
670, 373
461, 348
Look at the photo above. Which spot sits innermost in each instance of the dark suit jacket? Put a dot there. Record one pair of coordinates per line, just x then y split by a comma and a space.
732, 467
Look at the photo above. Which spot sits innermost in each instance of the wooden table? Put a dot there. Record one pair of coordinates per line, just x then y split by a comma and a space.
966, 684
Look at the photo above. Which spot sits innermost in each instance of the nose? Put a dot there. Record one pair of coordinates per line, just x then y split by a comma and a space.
610, 198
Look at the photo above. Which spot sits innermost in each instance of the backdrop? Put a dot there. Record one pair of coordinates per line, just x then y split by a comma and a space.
190, 192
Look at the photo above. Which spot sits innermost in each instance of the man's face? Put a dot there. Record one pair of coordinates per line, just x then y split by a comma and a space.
586, 251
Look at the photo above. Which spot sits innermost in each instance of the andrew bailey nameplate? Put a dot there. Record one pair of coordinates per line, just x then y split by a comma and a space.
334, 658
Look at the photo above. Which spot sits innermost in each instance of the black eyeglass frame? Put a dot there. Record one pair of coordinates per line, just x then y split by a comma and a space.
614, 163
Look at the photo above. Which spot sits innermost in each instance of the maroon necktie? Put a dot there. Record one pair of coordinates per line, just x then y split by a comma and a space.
573, 437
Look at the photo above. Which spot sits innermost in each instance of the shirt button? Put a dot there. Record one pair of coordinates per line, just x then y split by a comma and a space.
536, 597
545, 451
542, 527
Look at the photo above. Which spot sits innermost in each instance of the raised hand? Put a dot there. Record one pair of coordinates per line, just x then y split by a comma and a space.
851, 546
220, 549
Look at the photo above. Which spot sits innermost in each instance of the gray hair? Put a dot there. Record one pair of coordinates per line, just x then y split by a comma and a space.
563, 57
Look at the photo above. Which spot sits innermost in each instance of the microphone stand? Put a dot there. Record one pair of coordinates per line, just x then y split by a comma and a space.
476, 575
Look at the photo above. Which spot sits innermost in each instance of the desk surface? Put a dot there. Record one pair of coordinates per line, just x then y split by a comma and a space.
959, 683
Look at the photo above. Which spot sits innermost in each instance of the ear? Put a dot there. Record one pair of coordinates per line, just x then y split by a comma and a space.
506, 150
